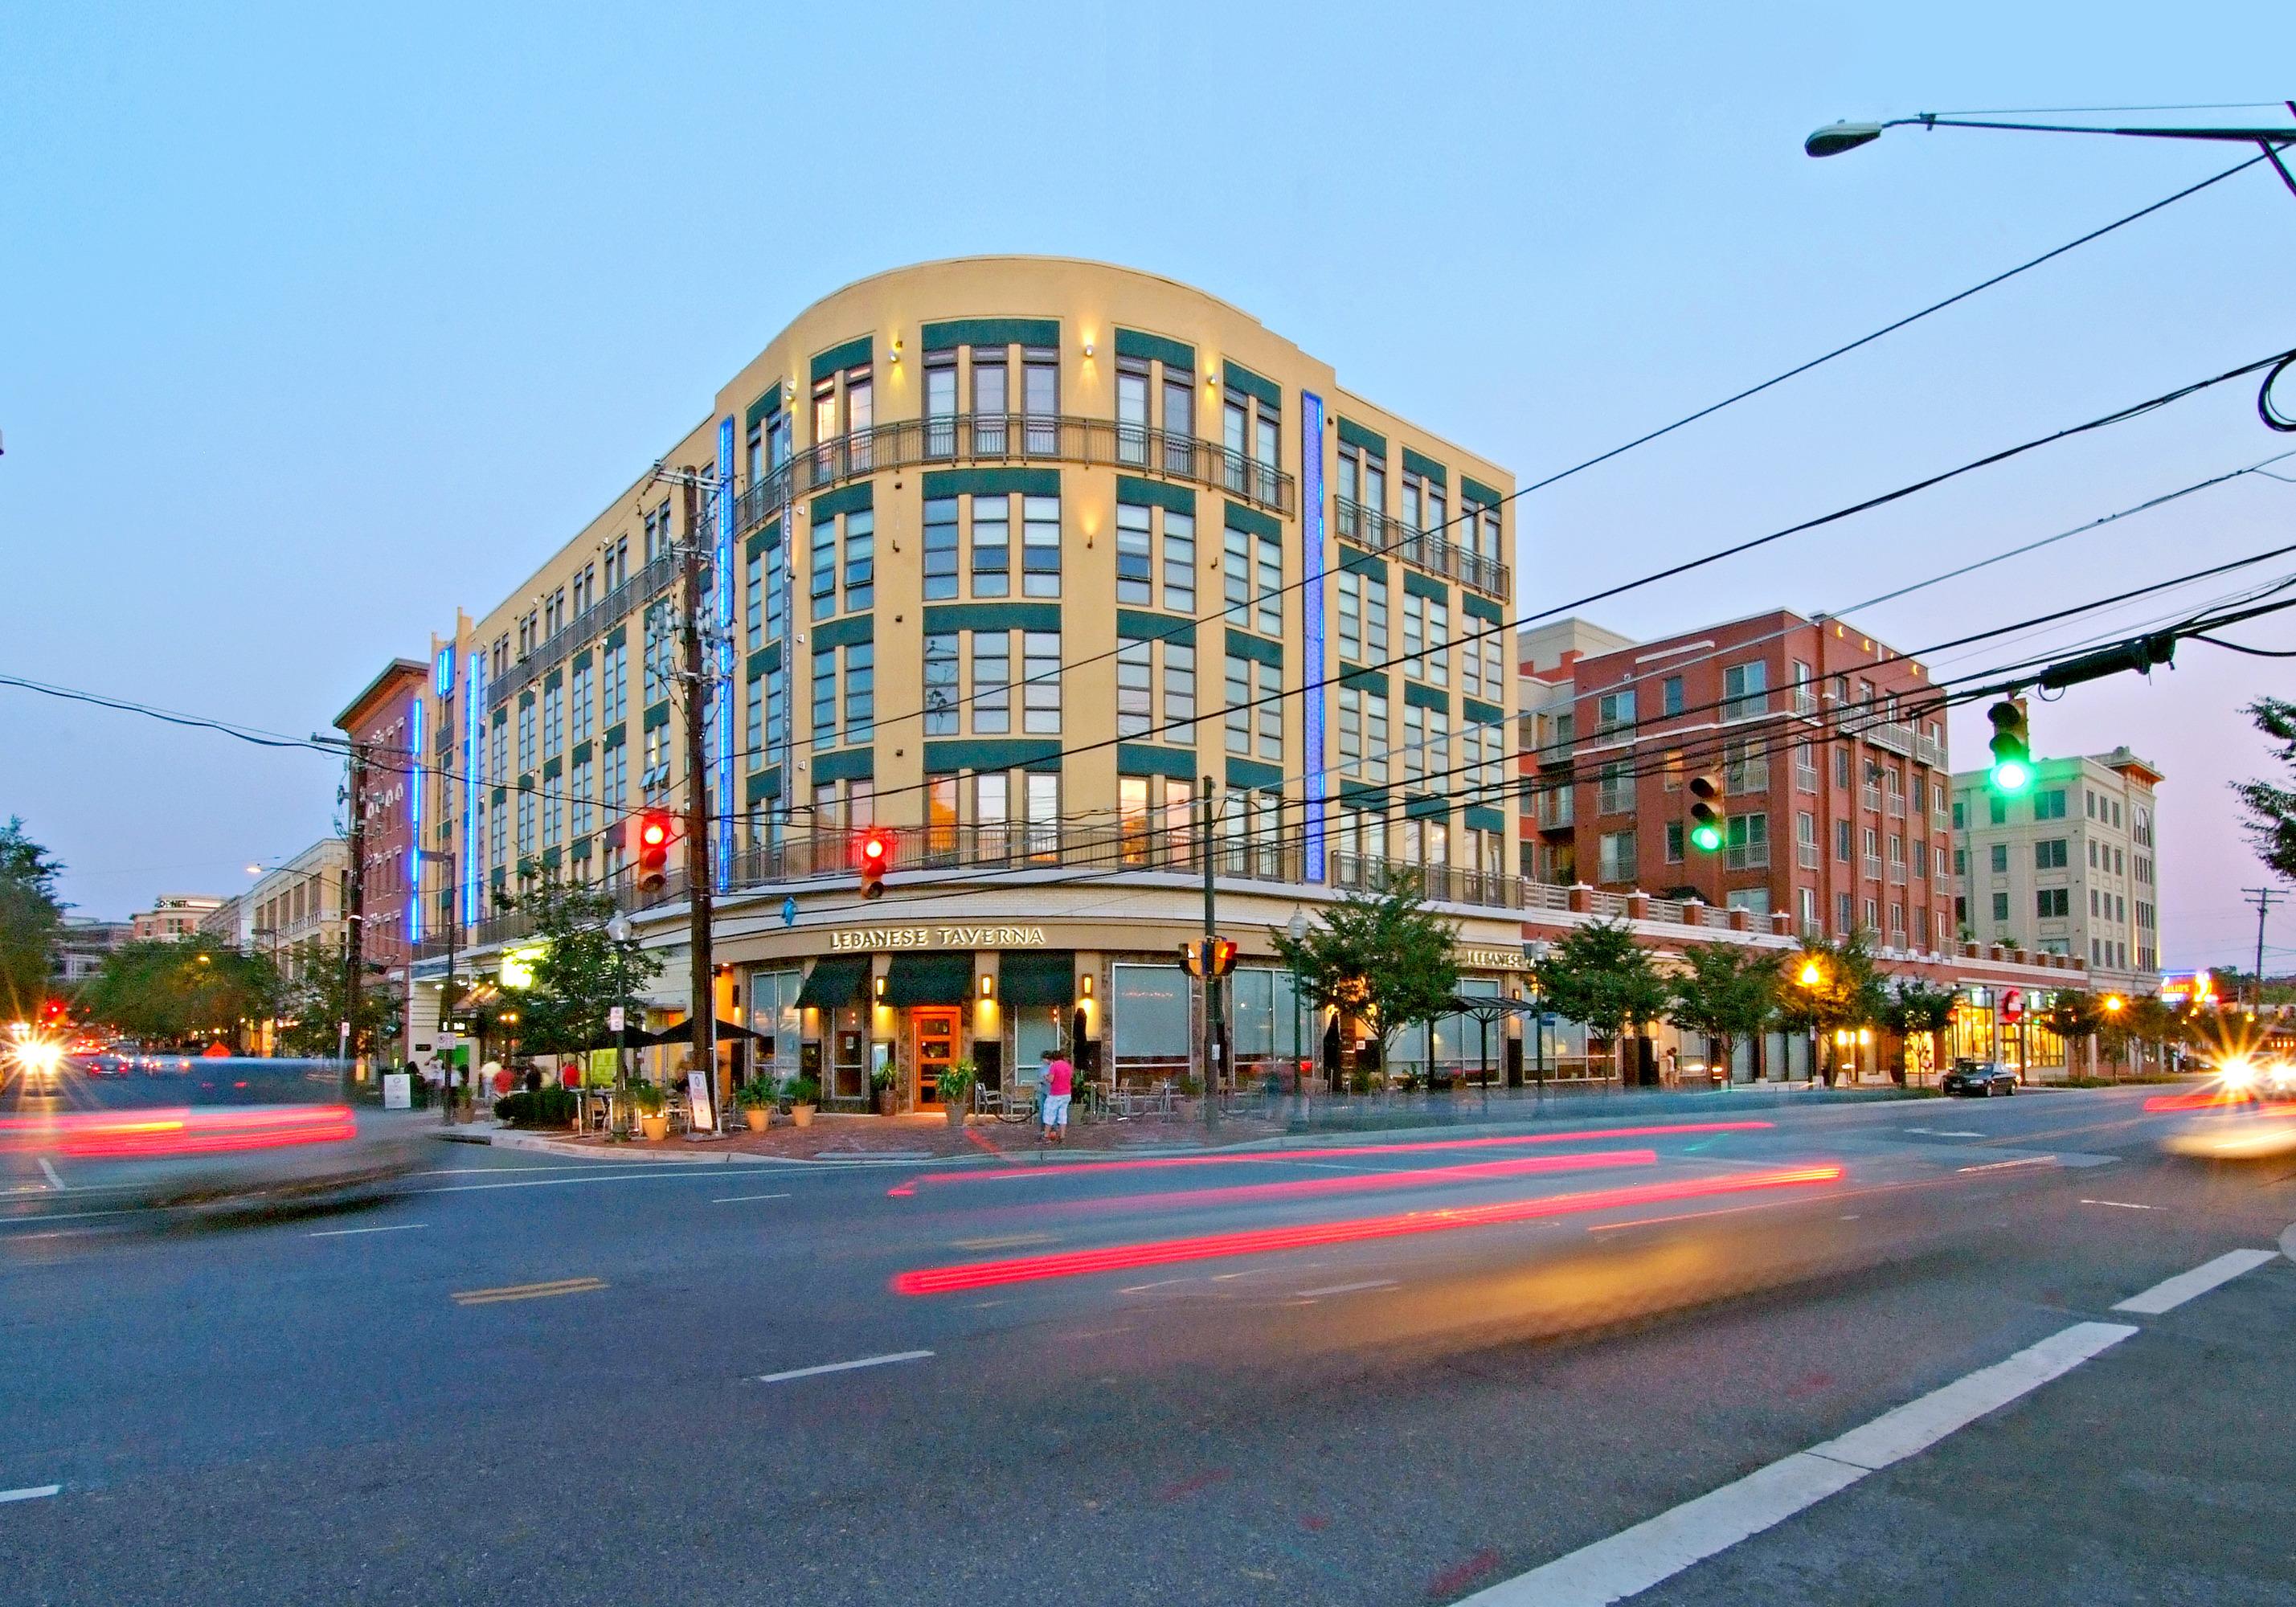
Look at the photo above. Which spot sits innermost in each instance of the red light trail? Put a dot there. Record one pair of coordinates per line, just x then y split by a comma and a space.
179, 1130
1420, 1177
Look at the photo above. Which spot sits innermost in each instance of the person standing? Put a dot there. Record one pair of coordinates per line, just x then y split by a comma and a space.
1059, 1084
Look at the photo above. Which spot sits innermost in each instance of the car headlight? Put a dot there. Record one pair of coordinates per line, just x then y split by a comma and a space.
2239, 1072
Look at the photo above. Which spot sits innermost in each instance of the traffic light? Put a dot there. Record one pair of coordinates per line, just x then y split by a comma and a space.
876, 854
1707, 832
2013, 747
1208, 957
649, 849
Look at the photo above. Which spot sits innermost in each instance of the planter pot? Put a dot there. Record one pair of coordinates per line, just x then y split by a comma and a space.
956, 1115
655, 1127
888, 1102
802, 1115
759, 1117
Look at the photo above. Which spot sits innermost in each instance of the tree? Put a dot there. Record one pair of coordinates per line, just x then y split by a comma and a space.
1724, 992
1378, 956
2271, 809
314, 1003
1913, 1007
580, 971
1601, 978
1831, 987
169, 991
29, 918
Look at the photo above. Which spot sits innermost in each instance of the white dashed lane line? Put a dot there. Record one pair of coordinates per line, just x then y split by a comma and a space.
30, 1492
2169, 1293
866, 1361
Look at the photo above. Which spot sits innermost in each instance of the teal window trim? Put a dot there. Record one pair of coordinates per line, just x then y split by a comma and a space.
1426, 697
764, 540
764, 661
1136, 492
552, 769
1425, 467
501, 716
1138, 759
1251, 520
854, 764
851, 499
1155, 349
618, 734
852, 354
656, 717
555, 679
1372, 680
1481, 608
581, 754
769, 401
1480, 712
953, 332
1426, 808
501, 795
525, 699
1363, 795
942, 617
579, 662
550, 857
526, 782
992, 482
1474, 491
1361, 563
1352, 434
1426, 586
1253, 774
1481, 817
845, 632
993, 753
616, 637
1243, 644
580, 848
1132, 625
1235, 376
762, 785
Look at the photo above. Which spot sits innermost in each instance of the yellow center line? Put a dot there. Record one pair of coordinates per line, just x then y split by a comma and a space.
527, 1291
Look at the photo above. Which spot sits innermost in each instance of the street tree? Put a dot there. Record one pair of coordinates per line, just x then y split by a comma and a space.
315, 1002
580, 969
30, 918
173, 991
1601, 978
1913, 1008
1832, 986
1724, 992
1379, 956
2271, 807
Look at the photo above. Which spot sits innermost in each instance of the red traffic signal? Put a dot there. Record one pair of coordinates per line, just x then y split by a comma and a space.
650, 830
876, 852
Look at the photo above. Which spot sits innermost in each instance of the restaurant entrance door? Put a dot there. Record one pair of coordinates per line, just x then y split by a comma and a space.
933, 1029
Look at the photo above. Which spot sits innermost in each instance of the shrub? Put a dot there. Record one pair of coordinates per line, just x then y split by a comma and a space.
543, 1108
803, 1091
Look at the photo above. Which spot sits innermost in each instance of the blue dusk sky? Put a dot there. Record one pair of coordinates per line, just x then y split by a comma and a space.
322, 321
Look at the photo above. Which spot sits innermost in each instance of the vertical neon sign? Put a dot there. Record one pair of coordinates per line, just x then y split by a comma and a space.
474, 684
722, 864
1313, 696
414, 817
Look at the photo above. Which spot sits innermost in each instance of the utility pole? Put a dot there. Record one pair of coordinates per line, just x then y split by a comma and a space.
355, 905
2262, 898
446, 988
1212, 982
704, 1013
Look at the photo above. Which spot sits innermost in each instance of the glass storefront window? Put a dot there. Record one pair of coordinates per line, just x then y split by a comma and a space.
773, 1012
1036, 1027
1150, 1018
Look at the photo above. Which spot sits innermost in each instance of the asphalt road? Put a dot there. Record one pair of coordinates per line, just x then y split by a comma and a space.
1348, 1371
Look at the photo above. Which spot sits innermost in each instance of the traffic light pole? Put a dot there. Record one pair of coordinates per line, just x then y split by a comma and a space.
698, 894
1212, 982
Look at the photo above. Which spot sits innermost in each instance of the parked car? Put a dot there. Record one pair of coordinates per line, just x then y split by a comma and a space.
1982, 1077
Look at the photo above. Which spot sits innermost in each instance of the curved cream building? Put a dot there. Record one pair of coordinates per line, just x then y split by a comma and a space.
1004, 554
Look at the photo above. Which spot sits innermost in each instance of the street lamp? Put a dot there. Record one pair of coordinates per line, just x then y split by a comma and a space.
1835, 138
1297, 927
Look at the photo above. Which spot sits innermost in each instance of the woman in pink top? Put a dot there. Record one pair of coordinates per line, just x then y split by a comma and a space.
1059, 1082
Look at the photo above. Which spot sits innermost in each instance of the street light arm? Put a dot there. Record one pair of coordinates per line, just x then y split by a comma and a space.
1838, 138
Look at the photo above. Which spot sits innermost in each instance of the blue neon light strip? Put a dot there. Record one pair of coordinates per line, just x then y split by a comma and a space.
474, 686
722, 866
1311, 542
415, 818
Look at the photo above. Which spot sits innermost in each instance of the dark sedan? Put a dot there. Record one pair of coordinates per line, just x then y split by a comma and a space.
1982, 1077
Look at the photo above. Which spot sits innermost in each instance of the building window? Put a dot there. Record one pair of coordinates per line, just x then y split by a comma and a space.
1040, 546
1135, 557
940, 666
753, 600
1040, 398
1670, 696
1271, 711
753, 722
992, 545
1134, 689
582, 780
1745, 691
824, 697
1179, 562
1673, 842
1841, 840
1270, 587
860, 560
1997, 811
1238, 696
1362, 617
1040, 667
2049, 853
2049, 805
2053, 903
2000, 906
1132, 424
1748, 842
992, 682
940, 404
1614, 711
822, 568
1615, 856
860, 692
2000, 858
584, 699
940, 548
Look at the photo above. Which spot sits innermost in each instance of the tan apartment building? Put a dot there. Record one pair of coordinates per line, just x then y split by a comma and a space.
174, 916
1004, 555
301, 903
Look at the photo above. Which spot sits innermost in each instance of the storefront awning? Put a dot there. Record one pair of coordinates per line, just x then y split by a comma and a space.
929, 980
1036, 977
833, 984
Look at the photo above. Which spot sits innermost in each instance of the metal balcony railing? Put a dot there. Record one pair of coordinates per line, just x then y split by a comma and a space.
1428, 550
1805, 855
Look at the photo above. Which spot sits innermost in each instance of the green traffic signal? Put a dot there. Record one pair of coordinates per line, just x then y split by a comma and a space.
2012, 748
1706, 838
1706, 834
2011, 776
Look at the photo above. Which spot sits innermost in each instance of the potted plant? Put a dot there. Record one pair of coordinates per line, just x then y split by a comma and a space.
756, 1101
646, 1099
882, 1083
957, 1090
804, 1097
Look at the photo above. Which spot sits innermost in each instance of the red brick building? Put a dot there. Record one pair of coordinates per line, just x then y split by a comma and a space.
387, 719
1835, 780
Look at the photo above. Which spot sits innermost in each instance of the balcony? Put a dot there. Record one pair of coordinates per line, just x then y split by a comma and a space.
1805, 855
1368, 527
983, 438
1897, 804
1803, 699
1805, 778
1891, 735
1897, 870
1556, 811
1872, 866
1746, 777
636, 591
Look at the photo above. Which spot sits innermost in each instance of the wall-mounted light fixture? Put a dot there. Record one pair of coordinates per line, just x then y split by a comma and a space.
897, 348
880, 985
1085, 982
1087, 349
988, 987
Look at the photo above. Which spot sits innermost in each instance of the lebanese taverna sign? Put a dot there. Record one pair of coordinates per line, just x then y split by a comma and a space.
884, 940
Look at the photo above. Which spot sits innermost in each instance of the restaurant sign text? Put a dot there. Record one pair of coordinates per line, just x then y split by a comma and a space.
886, 939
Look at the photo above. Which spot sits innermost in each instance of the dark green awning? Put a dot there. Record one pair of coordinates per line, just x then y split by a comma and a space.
835, 983
1036, 977
929, 980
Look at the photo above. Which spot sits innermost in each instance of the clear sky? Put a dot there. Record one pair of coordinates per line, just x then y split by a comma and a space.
316, 322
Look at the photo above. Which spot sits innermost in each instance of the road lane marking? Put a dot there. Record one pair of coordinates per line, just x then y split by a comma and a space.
2169, 1293
1368, 1284
345, 1232
681, 1172
30, 1492
1941, 1132
527, 1291
1653, 1551
866, 1361
2003, 1165
2126, 1205
48, 1170
738, 1199
1007, 1242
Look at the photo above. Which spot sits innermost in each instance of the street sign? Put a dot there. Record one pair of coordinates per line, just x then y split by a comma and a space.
789, 910
614, 1019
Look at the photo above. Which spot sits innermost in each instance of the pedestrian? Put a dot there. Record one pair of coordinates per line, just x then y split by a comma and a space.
1673, 1078
1059, 1080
